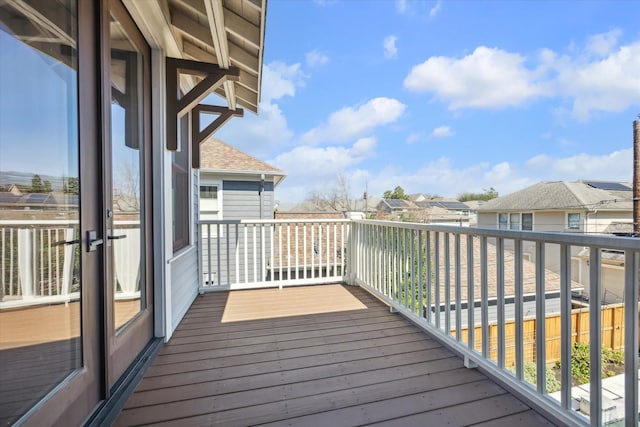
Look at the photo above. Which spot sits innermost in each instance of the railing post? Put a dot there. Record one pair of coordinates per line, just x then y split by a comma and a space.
631, 338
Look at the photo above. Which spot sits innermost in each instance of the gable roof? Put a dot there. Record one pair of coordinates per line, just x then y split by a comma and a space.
217, 156
563, 195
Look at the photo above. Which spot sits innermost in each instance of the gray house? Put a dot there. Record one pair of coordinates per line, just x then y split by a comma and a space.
235, 186
592, 207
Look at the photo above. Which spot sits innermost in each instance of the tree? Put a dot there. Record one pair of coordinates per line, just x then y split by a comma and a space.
337, 198
36, 184
397, 193
486, 195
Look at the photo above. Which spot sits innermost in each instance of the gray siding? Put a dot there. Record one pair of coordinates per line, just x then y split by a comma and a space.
184, 285
241, 200
184, 269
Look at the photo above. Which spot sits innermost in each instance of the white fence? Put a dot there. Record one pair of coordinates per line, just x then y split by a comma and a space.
266, 253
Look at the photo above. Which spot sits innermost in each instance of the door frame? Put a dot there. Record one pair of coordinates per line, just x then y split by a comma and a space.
122, 347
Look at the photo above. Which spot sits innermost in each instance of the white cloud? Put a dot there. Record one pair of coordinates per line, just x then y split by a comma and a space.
353, 122
315, 59
435, 9
258, 135
442, 132
310, 168
401, 6
390, 49
608, 84
280, 79
602, 44
414, 137
487, 78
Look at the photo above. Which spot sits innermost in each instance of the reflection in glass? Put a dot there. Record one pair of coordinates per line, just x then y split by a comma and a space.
126, 168
39, 203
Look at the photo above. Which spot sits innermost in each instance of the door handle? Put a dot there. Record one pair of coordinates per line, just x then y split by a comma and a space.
92, 241
122, 236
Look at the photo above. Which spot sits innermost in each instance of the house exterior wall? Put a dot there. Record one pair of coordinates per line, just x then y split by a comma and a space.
240, 201
598, 221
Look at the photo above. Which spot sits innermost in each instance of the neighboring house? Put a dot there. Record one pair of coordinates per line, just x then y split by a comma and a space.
575, 207
432, 211
234, 186
592, 207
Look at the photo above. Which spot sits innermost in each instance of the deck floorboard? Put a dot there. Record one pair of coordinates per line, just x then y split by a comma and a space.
357, 365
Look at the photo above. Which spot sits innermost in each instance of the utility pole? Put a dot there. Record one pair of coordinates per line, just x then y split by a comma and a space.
636, 178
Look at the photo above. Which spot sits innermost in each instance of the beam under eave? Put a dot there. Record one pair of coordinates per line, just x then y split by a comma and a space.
191, 28
244, 60
217, 26
242, 29
41, 18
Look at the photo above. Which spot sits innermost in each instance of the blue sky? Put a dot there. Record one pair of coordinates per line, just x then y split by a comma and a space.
443, 97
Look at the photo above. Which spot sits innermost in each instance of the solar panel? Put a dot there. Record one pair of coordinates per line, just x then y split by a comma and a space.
9, 198
611, 186
36, 198
454, 205
396, 203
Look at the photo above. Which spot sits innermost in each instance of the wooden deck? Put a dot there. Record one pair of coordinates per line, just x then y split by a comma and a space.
251, 358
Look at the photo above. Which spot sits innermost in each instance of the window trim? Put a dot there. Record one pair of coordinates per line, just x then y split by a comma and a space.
568, 223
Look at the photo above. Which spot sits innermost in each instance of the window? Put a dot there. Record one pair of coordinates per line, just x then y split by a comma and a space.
527, 221
180, 188
210, 202
211, 206
514, 221
573, 221
503, 221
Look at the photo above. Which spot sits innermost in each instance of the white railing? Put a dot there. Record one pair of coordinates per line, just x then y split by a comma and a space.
266, 253
41, 261
37, 267
434, 274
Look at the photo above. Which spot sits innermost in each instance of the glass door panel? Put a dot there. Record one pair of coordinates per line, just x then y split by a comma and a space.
126, 236
40, 253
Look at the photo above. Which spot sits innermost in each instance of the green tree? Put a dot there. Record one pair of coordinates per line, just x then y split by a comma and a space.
397, 193
486, 195
36, 184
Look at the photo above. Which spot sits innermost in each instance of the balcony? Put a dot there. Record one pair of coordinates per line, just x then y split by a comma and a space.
340, 322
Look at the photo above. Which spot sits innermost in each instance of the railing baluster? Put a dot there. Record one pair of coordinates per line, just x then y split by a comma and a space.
405, 267
437, 281
470, 295
246, 252
428, 261
595, 336
631, 265
304, 250
413, 271
447, 284
541, 336
237, 251
420, 276
297, 251
484, 296
519, 318
458, 287
500, 300
288, 252
227, 241
218, 255
565, 326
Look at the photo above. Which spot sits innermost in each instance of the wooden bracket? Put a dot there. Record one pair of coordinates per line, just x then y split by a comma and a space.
177, 105
197, 136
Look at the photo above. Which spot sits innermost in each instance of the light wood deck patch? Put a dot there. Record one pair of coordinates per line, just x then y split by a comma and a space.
355, 364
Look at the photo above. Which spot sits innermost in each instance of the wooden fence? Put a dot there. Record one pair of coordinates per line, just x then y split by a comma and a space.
612, 334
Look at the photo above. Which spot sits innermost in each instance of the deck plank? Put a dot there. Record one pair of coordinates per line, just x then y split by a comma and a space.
275, 366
